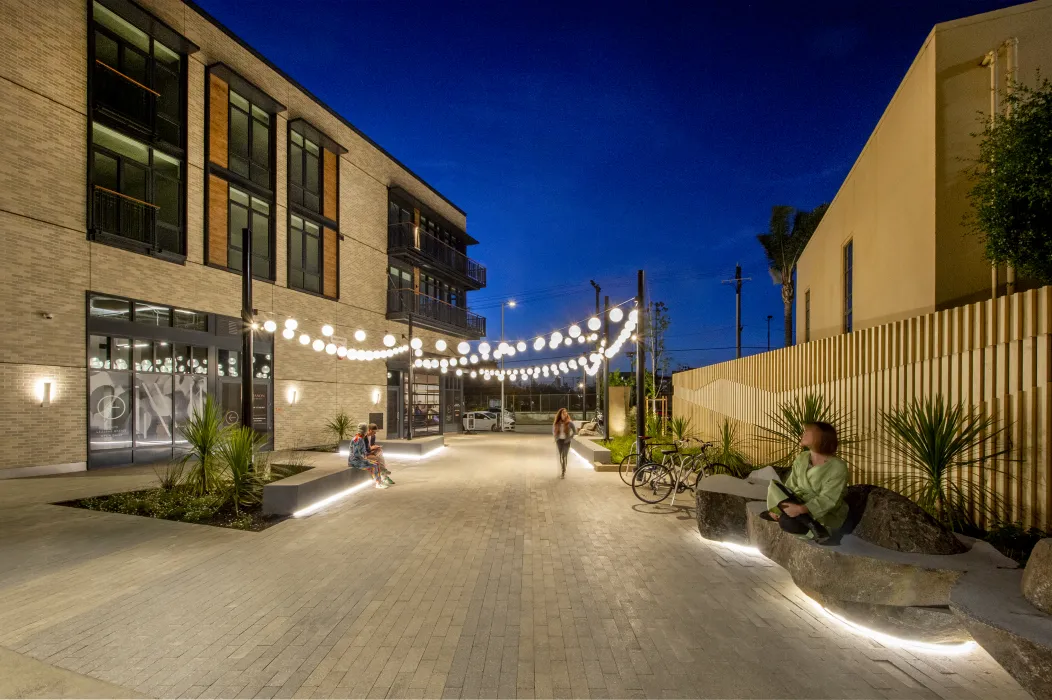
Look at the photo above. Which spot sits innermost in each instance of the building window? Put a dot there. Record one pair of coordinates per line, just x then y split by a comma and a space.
848, 284
305, 255
249, 141
304, 172
807, 316
137, 191
254, 214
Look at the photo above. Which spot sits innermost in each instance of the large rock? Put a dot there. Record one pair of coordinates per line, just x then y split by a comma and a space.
1037, 577
721, 501
1016, 634
861, 572
890, 520
932, 624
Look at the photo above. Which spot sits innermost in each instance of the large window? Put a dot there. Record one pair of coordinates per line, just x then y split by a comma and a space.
249, 141
427, 416
849, 254
252, 213
304, 255
304, 172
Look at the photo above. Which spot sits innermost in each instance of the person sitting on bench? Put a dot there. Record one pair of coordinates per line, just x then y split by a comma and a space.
811, 504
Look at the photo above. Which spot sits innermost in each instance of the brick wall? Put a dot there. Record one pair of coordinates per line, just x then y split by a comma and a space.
49, 264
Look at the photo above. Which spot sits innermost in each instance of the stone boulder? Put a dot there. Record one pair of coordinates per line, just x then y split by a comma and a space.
931, 624
1037, 577
721, 501
892, 521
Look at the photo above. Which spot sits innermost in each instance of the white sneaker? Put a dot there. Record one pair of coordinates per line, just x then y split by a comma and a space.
380, 486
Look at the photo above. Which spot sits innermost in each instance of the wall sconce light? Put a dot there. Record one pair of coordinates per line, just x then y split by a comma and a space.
376, 397
293, 395
45, 393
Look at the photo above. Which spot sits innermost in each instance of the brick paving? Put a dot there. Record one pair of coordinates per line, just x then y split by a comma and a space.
480, 575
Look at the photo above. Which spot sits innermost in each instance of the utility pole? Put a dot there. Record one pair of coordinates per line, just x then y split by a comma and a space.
769, 333
641, 405
248, 316
606, 370
737, 282
597, 290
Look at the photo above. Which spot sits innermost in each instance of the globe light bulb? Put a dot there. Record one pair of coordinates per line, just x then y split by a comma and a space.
568, 342
342, 352
440, 345
474, 374
444, 370
326, 330
418, 352
330, 349
572, 364
557, 338
633, 316
453, 361
416, 343
474, 359
575, 330
418, 362
288, 334
594, 323
538, 344
444, 363
359, 335
318, 344
389, 340
616, 314
464, 348
520, 346
304, 339
484, 348
580, 339
269, 326
485, 356
510, 351
291, 324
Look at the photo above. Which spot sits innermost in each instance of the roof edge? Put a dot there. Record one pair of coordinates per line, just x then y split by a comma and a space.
270, 64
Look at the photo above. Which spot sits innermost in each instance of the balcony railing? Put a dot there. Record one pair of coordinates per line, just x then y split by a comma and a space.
406, 301
118, 214
123, 98
403, 236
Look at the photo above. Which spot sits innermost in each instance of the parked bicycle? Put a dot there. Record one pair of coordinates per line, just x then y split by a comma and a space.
652, 481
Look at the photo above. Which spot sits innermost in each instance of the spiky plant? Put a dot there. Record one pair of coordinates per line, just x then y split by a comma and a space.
933, 441
789, 419
729, 449
204, 433
681, 428
654, 426
244, 467
339, 426
172, 475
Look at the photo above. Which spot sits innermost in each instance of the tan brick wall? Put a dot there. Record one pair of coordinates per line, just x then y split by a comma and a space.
49, 265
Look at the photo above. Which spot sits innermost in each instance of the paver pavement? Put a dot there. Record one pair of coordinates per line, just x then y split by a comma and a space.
479, 575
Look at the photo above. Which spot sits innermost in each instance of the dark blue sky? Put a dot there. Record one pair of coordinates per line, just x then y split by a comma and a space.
589, 139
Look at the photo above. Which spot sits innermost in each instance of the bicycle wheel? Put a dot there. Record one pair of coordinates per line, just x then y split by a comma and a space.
653, 483
628, 467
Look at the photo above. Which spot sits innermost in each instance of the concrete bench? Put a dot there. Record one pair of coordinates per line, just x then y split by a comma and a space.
590, 449
396, 447
299, 491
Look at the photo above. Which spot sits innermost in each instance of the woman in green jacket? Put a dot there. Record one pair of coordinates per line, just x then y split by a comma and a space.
819, 482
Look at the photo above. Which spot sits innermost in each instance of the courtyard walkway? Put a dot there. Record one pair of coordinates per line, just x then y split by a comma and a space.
479, 575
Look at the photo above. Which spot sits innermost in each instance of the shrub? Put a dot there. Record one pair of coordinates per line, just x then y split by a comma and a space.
244, 468
681, 428
172, 476
933, 440
788, 426
728, 449
339, 426
1013, 541
204, 433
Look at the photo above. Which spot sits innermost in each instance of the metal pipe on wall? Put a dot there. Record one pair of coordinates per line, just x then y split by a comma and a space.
990, 61
1012, 58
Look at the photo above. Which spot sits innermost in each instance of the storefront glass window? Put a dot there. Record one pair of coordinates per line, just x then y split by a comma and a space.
153, 415
109, 353
190, 320
153, 315
110, 308
109, 409
263, 366
188, 396
229, 363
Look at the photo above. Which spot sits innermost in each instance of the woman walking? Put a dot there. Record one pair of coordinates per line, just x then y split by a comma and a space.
563, 430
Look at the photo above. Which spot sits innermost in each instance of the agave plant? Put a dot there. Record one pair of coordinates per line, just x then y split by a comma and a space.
787, 426
244, 466
654, 426
932, 441
681, 428
205, 434
728, 449
172, 476
339, 426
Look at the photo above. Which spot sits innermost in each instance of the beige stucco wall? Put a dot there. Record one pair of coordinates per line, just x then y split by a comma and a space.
48, 264
885, 207
963, 99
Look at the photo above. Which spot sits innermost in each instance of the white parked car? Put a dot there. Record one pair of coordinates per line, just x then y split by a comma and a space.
477, 421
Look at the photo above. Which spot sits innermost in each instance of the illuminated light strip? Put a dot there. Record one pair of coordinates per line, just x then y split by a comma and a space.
885, 639
329, 500
578, 455
395, 455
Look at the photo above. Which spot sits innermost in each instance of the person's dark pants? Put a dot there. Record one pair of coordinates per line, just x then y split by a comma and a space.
564, 452
799, 525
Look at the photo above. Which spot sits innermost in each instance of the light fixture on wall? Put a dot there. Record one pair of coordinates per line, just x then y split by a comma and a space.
293, 396
45, 392
377, 395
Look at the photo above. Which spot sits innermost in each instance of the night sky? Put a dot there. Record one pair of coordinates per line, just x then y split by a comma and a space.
586, 140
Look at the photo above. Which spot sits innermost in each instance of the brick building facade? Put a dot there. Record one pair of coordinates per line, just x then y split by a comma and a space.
141, 138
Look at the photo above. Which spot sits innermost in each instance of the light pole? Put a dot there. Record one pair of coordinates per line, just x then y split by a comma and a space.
511, 303
769, 332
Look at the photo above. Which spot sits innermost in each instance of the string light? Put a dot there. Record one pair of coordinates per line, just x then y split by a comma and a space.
291, 324
440, 345
616, 314
318, 344
270, 326
304, 339
288, 333
326, 330
389, 340
359, 335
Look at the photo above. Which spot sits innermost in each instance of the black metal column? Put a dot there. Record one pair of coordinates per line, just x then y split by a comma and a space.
641, 373
248, 315
409, 386
606, 369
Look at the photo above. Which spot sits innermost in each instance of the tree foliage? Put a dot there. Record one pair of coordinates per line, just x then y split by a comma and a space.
1011, 193
787, 236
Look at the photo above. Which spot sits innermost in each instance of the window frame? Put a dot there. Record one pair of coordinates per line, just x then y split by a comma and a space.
301, 187
321, 255
847, 280
271, 260
252, 123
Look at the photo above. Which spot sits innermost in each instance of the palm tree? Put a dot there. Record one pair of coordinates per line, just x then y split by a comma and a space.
784, 242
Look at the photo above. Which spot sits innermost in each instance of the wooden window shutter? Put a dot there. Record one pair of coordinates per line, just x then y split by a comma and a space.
218, 211
218, 118
331, 248
329, 178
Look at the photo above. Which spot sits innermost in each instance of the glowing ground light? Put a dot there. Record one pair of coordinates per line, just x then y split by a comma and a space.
879, 637
584, 462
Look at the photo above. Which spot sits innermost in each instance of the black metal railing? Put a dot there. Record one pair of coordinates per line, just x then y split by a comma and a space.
406, 301
118, 214
404, 236
123, 97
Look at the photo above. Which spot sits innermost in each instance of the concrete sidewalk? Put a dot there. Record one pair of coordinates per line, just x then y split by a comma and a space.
481, 574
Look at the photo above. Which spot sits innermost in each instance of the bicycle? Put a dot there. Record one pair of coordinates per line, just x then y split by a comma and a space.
652, 482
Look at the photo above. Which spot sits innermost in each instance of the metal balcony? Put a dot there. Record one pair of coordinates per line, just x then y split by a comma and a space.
116, 214
434, 313
123, 98
407, 239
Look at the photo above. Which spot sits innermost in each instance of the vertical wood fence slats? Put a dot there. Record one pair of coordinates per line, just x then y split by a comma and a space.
991, 357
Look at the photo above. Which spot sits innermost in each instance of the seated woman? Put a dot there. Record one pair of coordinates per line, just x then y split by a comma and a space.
359, 456
376, 455
818, 483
